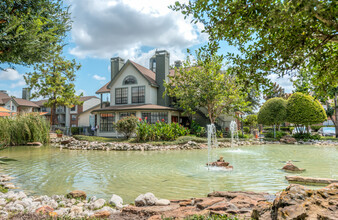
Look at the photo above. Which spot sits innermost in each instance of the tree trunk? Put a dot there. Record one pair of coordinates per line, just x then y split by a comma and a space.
336, 111
53, 114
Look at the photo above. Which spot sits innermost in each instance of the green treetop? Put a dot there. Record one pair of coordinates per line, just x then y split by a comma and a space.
204, 85
30, 29
272, 112
54, 80
304, 110
273, 36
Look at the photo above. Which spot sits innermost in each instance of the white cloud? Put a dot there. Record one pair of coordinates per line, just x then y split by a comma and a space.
284, 82
108, 28
20, 83
10, 74
100, 78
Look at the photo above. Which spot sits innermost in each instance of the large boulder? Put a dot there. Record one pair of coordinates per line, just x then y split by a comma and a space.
288, 140
291, 167
147, 199
299, 202
117, 201
77, 194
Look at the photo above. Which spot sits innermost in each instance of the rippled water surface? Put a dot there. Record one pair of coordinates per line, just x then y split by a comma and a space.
168, 174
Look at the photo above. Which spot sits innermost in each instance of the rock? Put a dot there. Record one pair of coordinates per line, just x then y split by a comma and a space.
299, 202
64, 142
102, 214
77, 194
62, 211
117, 201
99, 203
291, 167
44, 210
162, 202
76, 210
288, 140
21, 195
34, 144
147, 199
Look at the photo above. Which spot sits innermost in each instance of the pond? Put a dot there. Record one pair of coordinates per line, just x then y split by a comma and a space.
167, 174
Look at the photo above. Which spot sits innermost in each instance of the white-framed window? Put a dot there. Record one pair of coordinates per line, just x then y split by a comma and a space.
126, 114
121, 96
73, 109
138, 94
153, 117
73, 117
106, 122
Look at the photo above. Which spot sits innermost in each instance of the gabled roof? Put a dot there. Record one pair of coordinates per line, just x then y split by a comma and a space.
149, 75
85, 98
41, 102
3, 96
24, 102
104, 89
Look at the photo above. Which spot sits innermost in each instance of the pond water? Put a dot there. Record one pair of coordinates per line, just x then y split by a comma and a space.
167, 174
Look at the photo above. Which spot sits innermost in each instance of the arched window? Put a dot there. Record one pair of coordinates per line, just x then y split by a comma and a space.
129, 80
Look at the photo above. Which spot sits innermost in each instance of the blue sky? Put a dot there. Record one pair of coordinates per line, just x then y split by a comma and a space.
131, 29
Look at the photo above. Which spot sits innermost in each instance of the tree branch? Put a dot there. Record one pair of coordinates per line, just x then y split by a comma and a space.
333, 38
325, 21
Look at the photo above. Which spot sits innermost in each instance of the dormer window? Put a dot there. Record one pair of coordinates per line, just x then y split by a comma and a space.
129, 80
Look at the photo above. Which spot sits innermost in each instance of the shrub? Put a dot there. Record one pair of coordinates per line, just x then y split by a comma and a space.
159, 131
127, 125
315, 128
198, 130
304, 110
76, 130
245, 136
279, 134
22, 129
251, 121
273, 112
306, 136
246, 129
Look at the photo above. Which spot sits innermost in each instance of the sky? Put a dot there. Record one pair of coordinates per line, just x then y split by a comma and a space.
130, 29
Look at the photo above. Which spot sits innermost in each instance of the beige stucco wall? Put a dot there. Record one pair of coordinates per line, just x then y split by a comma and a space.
90, 103
83, 118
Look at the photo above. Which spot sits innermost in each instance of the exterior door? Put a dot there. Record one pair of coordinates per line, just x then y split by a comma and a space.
174, 119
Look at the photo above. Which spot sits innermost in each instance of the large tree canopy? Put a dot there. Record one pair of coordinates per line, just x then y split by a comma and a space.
274, 36
204, 85
55, 81
30, 29
272, 112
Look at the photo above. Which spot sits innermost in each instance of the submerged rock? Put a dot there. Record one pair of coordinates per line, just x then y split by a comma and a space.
291, 167
77, 194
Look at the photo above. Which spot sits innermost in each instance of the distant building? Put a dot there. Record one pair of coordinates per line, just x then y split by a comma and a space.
69, 117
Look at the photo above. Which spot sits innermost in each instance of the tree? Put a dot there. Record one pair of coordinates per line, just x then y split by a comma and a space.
273, 112
276, 91
251, 121
54, 80
30, 30
204, 85
304, 110
127, 126
273, 36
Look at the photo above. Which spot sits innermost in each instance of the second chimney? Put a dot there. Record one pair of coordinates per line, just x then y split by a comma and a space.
116, 65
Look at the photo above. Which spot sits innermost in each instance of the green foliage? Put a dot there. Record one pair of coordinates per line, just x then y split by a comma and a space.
275, 92
279, 134
22, 129
245, 136
246, 129
315, 128
58, 131
30, 30
76, 130
3, 189
306, 136
159, 131
273, 36
54, 81
273, 112
203, 84
251, 121
198, 130
304, 110
127, 126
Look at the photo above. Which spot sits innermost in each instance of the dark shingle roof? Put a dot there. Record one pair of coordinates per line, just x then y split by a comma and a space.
103, 89
147, 73
3, 96
85, 98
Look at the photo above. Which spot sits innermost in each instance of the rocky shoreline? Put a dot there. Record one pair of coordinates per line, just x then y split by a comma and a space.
73, 144
295, 202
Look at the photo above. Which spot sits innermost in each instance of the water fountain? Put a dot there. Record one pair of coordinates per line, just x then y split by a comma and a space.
233, 130
212, 140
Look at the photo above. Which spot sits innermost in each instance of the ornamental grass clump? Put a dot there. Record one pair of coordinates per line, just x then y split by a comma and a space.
22, 129
159, 131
